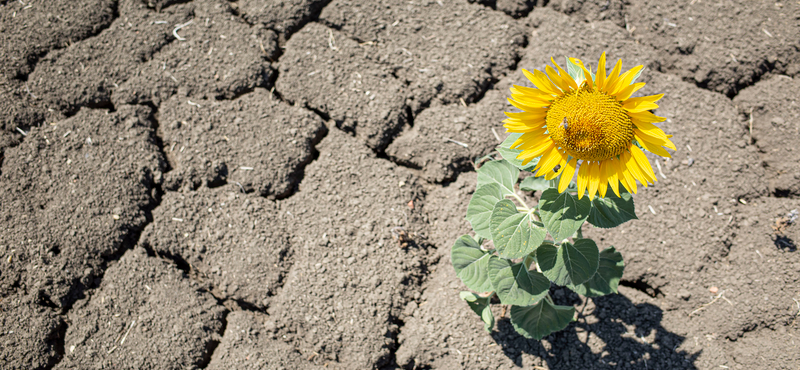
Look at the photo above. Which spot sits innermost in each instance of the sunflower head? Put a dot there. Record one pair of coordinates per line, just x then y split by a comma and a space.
587, 123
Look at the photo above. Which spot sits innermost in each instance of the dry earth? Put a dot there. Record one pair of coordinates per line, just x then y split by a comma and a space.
220, 184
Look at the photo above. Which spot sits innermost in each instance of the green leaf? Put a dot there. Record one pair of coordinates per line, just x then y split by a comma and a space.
498, 172
532, 183
563, 213
606, 279
569, 264
511, 154
479, 210
480, 306
471, 264
612, 211
574, 71
515, 284
540, 320
515, 234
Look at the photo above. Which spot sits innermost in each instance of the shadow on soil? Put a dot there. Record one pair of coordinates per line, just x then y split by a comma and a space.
577, 346
784, 243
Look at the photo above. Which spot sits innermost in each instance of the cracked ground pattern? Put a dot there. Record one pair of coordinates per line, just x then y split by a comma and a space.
190, 184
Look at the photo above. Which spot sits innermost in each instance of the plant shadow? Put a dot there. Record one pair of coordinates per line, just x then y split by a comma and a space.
601, 339
784, 243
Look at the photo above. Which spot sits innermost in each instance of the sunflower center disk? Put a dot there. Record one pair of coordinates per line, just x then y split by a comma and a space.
589, 125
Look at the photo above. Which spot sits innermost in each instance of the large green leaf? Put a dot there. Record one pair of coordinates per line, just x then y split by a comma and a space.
498, 172
606, 279
479, 210
480, 306
515, 234
471, 264
562, 213
612, 211
515, 284
511, 154
569, 264
540, 320
533, 183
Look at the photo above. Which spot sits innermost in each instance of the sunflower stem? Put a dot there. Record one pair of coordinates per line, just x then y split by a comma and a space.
521, 202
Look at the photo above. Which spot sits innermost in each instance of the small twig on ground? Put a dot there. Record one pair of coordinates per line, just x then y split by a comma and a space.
261, 44
456, 142
750, 129
496, 136
29, 90
503, 314
716, 298
331, 41
121, 342
658, 165
178, 27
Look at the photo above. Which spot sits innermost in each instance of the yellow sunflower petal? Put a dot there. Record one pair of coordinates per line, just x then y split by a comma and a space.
532, 136
603, 178
525, 115
542, 82
567, 174
649, 98
527, 108
536, 150
636, 105
531, 101
536, 145
644, 164
552, 174
611, 175
613, 76
565, 76
625, 177
523, 126
624, 80
517, 89
583, 178
669, 144
548, 161
556, 78
594, 179
626, 92
600, 77
535, 121
650, 146
633, 168
650, 129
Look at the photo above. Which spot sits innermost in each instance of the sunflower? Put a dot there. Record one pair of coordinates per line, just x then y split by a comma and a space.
589, 124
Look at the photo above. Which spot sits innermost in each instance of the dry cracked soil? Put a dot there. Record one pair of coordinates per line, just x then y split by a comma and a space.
189, 184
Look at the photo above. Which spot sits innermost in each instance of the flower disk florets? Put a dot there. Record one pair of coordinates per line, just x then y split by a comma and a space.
589, 125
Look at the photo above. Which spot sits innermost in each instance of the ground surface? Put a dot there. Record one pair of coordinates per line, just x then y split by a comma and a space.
221, 184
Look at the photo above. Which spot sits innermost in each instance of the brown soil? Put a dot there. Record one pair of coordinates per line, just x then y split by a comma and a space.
247, 184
